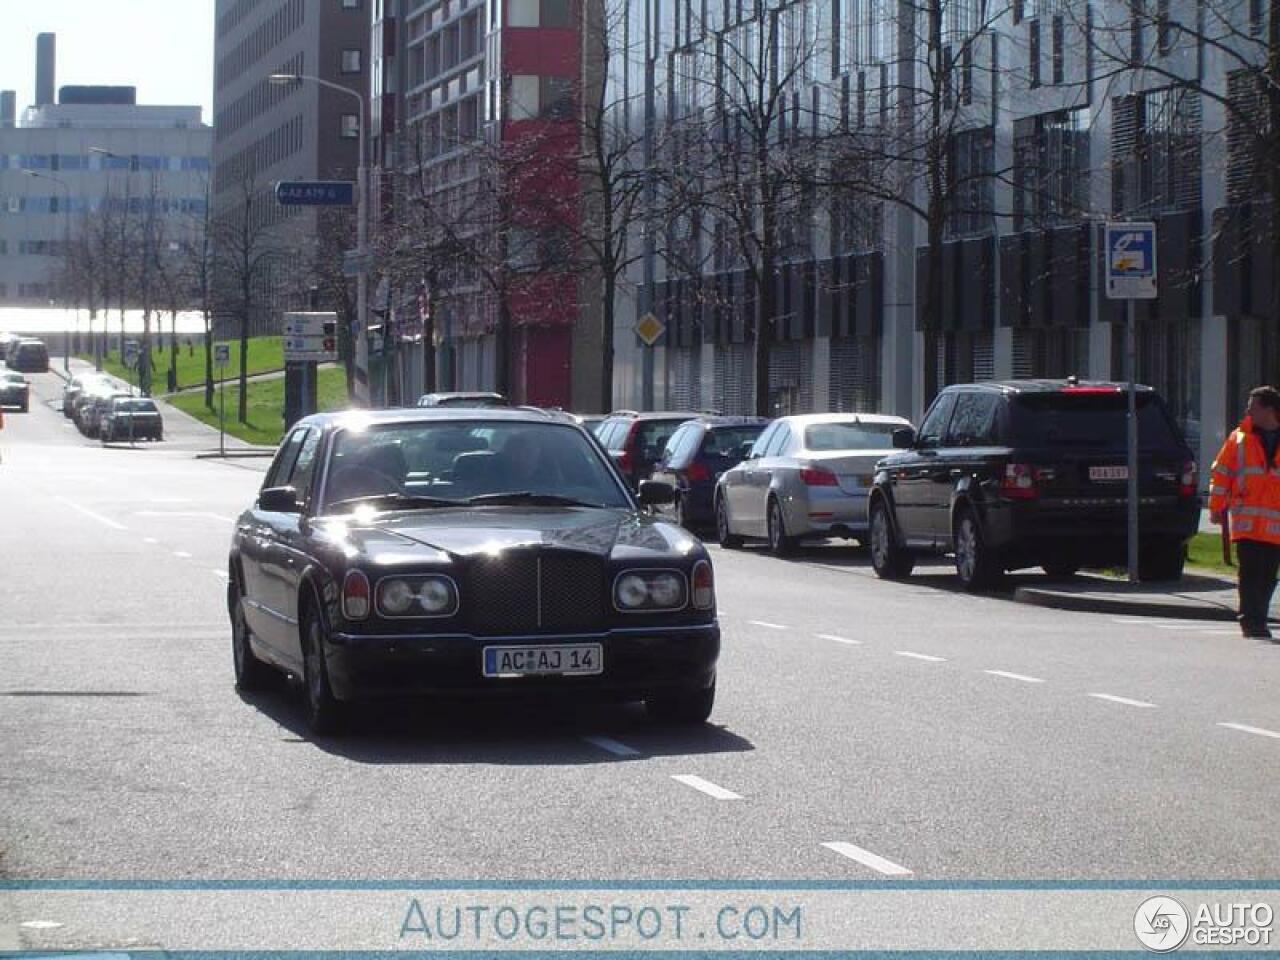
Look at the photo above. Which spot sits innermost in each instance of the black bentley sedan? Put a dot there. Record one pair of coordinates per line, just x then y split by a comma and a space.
466, 553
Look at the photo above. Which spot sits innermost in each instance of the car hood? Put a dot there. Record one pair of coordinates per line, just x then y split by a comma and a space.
415, 536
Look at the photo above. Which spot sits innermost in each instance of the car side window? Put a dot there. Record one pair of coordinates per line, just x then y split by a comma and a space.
779, 442
285, 460
934, 425
763, 441
973, 421
674, 450
304, 467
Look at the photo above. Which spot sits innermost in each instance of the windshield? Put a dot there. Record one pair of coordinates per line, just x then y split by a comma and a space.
726, 442
480, 461
147, 406
1088, 420
849, 436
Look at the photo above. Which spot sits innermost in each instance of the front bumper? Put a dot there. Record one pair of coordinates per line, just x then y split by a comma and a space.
639, 662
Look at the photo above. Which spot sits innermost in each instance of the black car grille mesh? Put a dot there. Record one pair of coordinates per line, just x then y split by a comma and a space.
528, 592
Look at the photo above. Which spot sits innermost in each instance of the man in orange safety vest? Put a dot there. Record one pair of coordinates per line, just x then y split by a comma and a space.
1245, 490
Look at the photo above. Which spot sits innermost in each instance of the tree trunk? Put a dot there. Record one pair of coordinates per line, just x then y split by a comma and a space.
243, 413
606, 332
502, 346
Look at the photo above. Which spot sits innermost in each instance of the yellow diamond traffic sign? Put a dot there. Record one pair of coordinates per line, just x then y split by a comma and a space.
649, 328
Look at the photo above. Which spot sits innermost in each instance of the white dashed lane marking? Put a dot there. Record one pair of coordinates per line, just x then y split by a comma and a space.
1245, 728
867, 858
220, 573
182, 554
836, 639
919, 656
1111, 698
105, 521
767, 625
610, 745
1014, 676
705, 786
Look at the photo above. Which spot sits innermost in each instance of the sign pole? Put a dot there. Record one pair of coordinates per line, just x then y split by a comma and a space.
1131, 360
222, 420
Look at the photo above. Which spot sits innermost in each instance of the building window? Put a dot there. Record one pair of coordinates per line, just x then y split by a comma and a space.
1164, 30
1248, 130
1156, 151
350, 61
523, 101
556, 13
556, 98
523, 13
1050, 169
971, 160
1033, 55
1059, 53
350, 4
349, 126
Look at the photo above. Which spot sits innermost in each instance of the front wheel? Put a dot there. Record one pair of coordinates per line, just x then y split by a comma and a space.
888, 559
325, 714
975, 565
683, 708
727, 539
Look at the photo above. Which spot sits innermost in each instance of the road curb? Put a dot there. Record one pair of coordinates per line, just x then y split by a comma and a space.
234, 454
1134, 606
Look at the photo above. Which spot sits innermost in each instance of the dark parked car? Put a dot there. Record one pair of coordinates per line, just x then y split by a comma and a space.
7, 340
15, 391
28, 356
636, 440
470, 553
469, 398
1029, 473
131, 418
696, 455
75, 388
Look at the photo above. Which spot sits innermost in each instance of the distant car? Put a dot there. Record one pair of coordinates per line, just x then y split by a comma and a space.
28, 356
697, 454
15, 391
636, 440
463, 398
95, 407
131, 418
519, 566
7, 340
74, 388
806, 476
1024, 473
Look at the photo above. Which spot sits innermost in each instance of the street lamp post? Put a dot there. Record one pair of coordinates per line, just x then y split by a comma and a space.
66, 251
361, 341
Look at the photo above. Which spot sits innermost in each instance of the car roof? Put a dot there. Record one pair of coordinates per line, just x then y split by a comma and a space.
721, 420
657, 415
1045, 385
808, 419
362, 417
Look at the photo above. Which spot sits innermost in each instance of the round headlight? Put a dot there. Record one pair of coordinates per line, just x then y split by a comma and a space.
664, 590
632, 591
396, 597
434, 596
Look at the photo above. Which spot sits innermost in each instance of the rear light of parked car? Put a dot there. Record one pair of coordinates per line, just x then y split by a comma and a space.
1019, 482
1187, 482
697, 472
818, 477
704, 591
355, 596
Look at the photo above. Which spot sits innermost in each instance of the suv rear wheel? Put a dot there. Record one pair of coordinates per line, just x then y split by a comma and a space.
1161, 560
975, 564
889, 560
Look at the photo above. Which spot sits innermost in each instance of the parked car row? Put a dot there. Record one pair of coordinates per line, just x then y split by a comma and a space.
24, 354
101, 408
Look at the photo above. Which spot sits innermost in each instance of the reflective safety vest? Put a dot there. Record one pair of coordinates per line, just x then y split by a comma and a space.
1243, 485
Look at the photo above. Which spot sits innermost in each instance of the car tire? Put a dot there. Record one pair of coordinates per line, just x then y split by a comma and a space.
26, 407
976, 566
686, 708
727, 539
1161, 560
780, 545
250, 672
325, 714
889, 560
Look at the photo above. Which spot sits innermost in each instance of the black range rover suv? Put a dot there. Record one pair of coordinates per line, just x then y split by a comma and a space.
1024, 473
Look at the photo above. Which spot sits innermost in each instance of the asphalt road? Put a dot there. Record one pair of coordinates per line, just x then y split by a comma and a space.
864, 729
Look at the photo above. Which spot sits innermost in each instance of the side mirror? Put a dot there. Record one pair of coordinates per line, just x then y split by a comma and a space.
279, 500
903, 438
655, 493
745, 451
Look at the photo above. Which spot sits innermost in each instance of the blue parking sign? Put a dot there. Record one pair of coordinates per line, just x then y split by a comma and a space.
1130, 252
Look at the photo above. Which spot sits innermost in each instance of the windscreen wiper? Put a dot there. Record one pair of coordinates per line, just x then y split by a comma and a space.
527, 496
396, 500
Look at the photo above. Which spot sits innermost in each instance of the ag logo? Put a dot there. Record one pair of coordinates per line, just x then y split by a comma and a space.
1162, 924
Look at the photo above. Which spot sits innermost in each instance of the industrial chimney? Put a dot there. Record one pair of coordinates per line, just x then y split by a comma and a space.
46, 68
8, 109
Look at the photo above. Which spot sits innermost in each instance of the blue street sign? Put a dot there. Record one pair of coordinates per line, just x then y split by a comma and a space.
1131, 261
316, 193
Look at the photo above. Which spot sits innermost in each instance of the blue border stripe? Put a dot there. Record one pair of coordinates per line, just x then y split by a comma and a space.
603, 954
410, 884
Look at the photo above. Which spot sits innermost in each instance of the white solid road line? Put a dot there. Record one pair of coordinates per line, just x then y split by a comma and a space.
836, 639
1245, 728
867, 858
919, 656
106, 521
612, 746
1014, 676
220, 573
183, 554
1178, 626
767, 625
706, 786
1111, 698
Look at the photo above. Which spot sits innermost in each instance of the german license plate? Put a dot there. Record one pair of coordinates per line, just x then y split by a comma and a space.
571, 660
1108, 473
